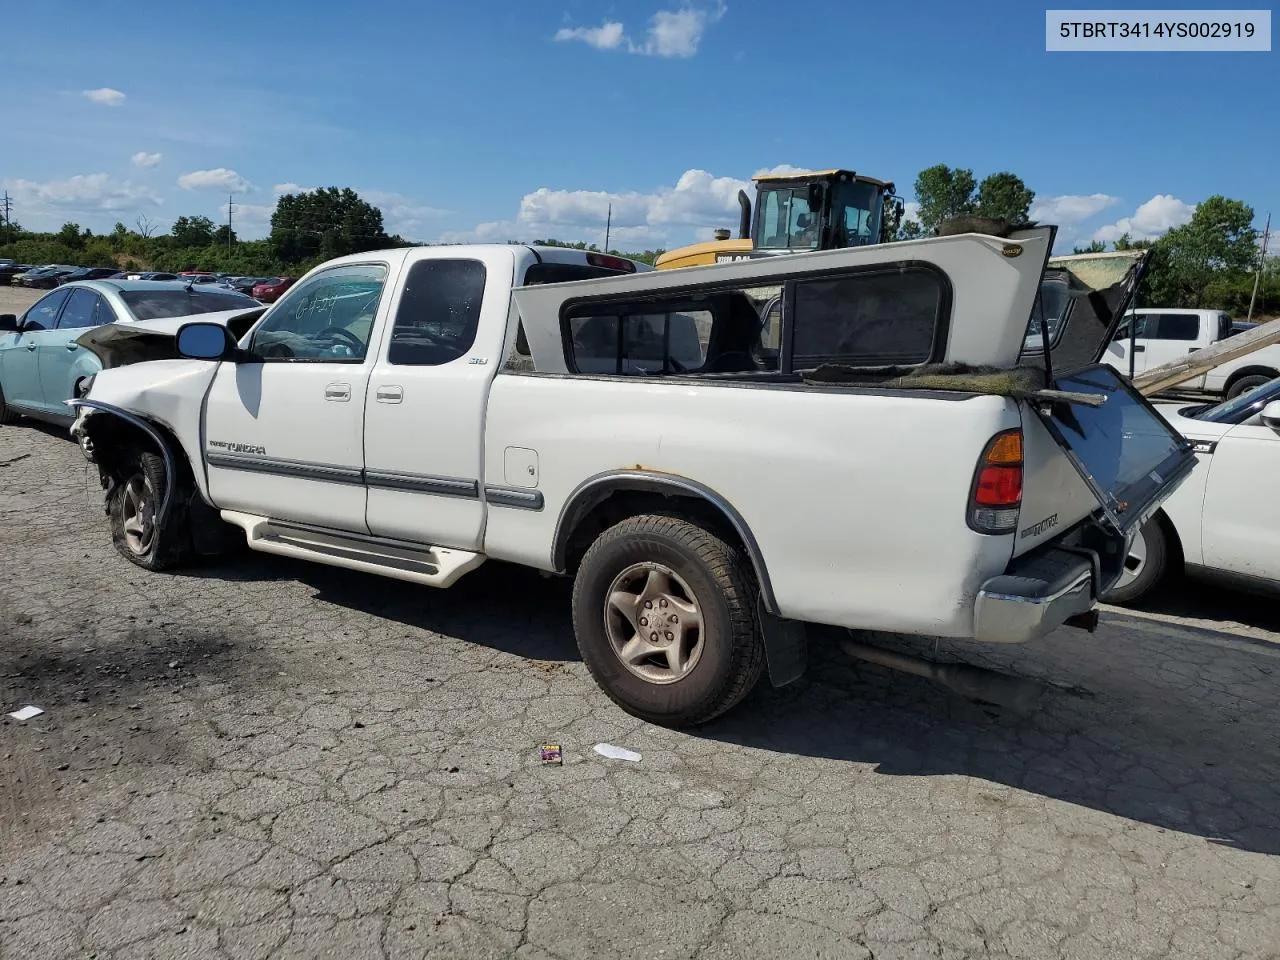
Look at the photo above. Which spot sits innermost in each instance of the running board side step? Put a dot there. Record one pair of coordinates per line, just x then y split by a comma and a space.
432, 566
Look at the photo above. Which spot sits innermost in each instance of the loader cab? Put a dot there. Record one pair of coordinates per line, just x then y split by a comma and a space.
798, 213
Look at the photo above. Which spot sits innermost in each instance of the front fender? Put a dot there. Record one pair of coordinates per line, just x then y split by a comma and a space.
166, 394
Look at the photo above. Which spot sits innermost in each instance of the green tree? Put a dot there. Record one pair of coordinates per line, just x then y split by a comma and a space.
192, 232
1128, 243
220, 236
1218, 243
70, 236
325, 223
1095, 246
1003, 196
944, 194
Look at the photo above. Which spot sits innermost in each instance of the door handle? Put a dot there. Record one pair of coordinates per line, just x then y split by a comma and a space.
31, 346
72, 346
339, 392
390, 394
1139, 348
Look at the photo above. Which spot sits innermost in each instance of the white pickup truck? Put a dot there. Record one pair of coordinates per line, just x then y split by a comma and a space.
717, 455
1160, 336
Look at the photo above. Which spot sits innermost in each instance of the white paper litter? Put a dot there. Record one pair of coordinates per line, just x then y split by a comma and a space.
26, 713
617, 753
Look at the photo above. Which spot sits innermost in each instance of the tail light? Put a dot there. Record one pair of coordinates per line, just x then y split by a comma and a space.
611, 262
997, 485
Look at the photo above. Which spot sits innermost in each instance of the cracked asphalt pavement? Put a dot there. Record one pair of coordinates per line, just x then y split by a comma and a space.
264, 758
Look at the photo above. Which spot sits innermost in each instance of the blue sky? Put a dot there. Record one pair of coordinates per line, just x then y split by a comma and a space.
504, 120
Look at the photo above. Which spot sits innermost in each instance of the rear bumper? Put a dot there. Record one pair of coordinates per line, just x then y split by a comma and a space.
1034, 597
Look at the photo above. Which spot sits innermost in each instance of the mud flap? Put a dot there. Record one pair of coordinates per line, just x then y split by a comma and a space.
786, 647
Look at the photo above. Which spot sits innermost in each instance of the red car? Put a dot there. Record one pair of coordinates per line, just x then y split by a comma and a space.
271, 290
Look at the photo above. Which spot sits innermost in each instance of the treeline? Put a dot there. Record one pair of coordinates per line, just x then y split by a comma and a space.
1210, 262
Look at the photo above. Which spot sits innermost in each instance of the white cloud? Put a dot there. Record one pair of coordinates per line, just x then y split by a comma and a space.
697, 203
782, 170
607, 36
220, 178
911, 211
105, 96
1071, 208
677, 33
1151, 220
84, 194
280, 189
401, 214
250, 221
670, 34
144, 159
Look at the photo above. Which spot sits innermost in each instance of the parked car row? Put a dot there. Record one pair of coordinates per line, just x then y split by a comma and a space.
50, 276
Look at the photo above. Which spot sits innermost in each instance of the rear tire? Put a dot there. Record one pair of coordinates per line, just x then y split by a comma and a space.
1147, 565
1246, 383
132, 508
664, 615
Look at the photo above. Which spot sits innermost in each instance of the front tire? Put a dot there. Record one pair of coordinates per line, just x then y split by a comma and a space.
7, 414
1146, 567
664, 615
132, 509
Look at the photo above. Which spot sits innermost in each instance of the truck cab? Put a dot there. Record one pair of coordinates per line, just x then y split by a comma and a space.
1151, 337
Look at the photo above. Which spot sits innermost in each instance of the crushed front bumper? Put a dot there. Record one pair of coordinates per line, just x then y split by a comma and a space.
1035, 596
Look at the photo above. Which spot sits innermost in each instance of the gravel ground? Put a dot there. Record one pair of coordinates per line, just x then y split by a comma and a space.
16, 299
275, 759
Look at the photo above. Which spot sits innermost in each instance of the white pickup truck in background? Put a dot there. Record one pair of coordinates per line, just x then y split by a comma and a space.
882, 457
1165, 335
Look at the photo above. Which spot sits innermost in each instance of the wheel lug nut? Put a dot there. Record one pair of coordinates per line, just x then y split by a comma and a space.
653, 637
644, 621
648, 604
673, 618
670, 636
662, 603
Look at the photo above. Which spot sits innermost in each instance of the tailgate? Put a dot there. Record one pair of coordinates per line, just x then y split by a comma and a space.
1126, 453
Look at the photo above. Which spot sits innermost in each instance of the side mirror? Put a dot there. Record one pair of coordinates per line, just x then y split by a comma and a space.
206, 341
9, 323
1271, 415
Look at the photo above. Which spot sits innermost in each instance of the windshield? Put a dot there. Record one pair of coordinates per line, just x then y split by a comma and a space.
855, 210
158, 304
1244, 406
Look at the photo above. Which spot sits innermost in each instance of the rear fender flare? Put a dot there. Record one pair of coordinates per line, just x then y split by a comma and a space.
595, 490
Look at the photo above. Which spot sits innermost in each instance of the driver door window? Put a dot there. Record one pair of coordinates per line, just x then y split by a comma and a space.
329, 318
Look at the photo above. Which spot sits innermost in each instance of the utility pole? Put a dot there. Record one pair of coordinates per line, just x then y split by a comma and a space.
607, 224
8, 219
1262, 259
229, 196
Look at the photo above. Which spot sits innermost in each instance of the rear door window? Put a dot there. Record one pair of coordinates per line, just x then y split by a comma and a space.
81, 310
1176, 326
